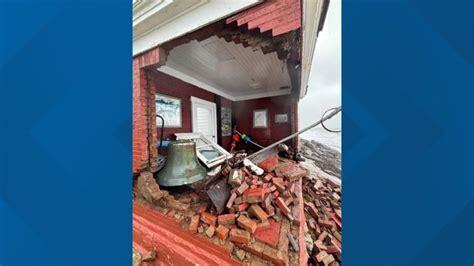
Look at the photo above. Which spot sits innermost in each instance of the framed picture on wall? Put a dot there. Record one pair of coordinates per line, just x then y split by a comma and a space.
226, 121
281, 118
170, 109
260, 118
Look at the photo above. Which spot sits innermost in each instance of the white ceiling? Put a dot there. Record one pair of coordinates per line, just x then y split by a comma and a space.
229, 69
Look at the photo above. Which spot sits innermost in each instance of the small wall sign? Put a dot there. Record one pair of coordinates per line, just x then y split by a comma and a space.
281, 118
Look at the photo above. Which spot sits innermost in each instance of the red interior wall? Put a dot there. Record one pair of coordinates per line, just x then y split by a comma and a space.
177, 88
243, 114
242, 111
171, 86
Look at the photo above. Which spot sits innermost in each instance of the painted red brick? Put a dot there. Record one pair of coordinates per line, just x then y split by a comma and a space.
320, 256
210, 231
238, 200
242, 207
325, 223
208, 218
319, 245
311, 209
222, 232
239, 236
275, 194
280, 186
266, 190
144, 108
323, 236
194, 224
254, 195
226, 219
268, 177
201, 208
269, 234
269, 164
283, 207
247, 223
269, 15
257, 212
230, 202
336, 220
277, 180
296, 173
267, 202
270, 210
333, 249
242, 188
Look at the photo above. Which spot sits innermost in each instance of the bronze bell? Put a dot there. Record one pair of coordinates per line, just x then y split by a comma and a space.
182, 166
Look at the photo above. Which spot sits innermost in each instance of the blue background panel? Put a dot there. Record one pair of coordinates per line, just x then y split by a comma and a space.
408, 138
65, 156
65, 79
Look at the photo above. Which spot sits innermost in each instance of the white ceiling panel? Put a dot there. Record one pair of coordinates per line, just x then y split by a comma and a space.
229, 69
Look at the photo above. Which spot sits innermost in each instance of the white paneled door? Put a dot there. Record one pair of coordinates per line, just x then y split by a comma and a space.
204, 118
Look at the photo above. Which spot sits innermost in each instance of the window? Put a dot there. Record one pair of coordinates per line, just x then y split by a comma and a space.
170, 109
207, 151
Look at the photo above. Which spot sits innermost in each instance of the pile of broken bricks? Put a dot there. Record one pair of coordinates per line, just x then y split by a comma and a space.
322, 201
261, 215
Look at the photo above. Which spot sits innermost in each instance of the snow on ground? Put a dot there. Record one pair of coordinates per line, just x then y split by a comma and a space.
323, 152
322, 136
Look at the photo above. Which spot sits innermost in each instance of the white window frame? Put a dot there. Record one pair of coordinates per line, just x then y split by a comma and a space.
209, 163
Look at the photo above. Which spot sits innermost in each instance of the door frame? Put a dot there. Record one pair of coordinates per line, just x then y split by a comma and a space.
197, 101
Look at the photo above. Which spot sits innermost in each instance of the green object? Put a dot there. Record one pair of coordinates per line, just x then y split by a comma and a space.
182, 166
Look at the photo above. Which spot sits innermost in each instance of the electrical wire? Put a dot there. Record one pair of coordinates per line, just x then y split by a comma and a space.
254, 143
322, 121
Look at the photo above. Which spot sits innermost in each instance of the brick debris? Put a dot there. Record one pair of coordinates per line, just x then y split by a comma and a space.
262, 214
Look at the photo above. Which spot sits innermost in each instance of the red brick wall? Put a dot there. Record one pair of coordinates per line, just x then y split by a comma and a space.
243, 112
144, 138
279, 16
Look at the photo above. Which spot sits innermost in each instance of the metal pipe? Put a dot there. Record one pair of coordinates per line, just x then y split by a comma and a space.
333, 113
162, 128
